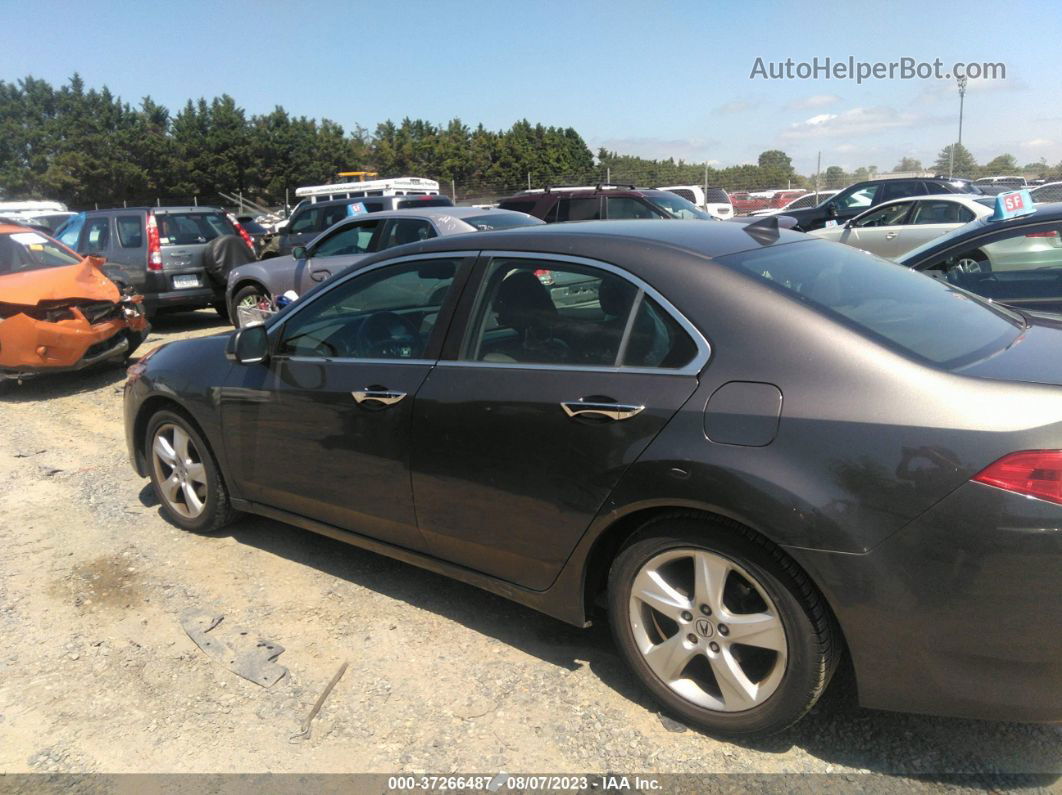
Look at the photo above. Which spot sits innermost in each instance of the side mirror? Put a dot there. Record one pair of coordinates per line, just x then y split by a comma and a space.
248, 345
299, 252
831, 210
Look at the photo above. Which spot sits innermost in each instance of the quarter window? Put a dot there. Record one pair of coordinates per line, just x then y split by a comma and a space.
304, 222
535, 312
387, 313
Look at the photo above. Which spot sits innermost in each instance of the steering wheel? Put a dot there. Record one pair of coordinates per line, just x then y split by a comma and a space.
386, 335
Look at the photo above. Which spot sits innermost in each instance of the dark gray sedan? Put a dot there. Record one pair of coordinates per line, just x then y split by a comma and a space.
257, 284
757, 451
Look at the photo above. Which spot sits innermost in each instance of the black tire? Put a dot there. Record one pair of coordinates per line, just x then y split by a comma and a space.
222, 310
812, 641
136, 339
245, 292
217, 511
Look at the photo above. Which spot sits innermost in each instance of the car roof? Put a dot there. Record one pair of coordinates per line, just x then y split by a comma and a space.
157, 209
598, 239
589, 190
436, 212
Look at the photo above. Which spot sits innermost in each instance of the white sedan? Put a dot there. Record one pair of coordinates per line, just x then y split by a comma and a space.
895, 227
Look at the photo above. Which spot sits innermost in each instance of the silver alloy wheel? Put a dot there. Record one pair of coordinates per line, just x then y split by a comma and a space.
179, 471
968, 265
708, 629
251, 300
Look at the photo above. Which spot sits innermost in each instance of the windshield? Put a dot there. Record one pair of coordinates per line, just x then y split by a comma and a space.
30, 251
676, 206
899, 307
502, 220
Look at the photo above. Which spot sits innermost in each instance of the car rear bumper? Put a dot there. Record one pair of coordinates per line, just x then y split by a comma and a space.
959, 613
193, 298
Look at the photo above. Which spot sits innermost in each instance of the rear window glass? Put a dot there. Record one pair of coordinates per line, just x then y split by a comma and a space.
435, 201
716, 196
899, 307
185, 229
502, 220
29, 251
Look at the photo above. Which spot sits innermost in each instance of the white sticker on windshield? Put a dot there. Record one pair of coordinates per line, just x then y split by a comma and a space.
830, 223
28, 238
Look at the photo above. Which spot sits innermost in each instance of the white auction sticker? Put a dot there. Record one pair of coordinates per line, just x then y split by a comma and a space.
28, 238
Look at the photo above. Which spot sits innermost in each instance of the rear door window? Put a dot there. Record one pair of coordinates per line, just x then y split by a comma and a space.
532, 311
579, 209
886, 216
898, 190
628, 207
940, 212
400, 231
130, 231
333, 214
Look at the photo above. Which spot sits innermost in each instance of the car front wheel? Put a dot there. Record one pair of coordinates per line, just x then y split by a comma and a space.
185, 475
723, 629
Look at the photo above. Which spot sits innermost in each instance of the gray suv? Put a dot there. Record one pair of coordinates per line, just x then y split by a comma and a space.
176, 257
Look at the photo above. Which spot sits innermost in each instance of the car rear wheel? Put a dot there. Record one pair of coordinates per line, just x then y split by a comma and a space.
185, 475
973, 262
250, 296
722, 628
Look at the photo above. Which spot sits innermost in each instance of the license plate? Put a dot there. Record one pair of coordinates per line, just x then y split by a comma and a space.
184, 282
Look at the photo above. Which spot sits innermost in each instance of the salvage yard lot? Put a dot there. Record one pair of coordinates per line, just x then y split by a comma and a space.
96, 673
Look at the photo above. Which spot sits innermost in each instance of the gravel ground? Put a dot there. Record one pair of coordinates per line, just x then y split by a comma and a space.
97, 675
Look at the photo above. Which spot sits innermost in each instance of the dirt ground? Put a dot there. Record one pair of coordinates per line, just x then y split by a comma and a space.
97, 675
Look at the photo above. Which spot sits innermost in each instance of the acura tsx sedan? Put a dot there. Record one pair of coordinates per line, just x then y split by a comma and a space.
758, 451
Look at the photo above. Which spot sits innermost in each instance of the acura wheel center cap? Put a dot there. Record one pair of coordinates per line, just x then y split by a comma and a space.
705, 628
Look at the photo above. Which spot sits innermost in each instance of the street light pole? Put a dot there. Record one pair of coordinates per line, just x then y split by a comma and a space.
962, 99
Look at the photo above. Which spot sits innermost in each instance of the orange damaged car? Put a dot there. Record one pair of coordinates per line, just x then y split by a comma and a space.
58, 311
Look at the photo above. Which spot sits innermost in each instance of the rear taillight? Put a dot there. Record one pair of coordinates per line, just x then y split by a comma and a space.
154, 247
544, 276
240, 230
1051, 233
1034, 473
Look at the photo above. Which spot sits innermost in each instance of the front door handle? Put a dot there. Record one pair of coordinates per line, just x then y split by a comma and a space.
320, 275
382, 396
890, 235
612, 411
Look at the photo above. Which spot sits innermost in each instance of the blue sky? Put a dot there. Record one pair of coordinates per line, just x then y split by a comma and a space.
655, 79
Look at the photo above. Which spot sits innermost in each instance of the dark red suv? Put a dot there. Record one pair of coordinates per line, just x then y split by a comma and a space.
602, 202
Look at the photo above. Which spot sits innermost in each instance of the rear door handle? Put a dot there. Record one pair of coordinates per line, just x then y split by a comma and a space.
612, 411
382, 396
890, 235
320, 275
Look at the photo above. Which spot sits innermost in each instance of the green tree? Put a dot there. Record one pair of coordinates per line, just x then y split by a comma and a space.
908, 164
965, 165
1002, 165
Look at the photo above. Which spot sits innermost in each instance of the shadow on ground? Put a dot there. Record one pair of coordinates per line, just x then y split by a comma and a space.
837, 730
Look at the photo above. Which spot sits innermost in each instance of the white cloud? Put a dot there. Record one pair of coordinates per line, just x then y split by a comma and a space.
1038, 143
857, 121
814, 101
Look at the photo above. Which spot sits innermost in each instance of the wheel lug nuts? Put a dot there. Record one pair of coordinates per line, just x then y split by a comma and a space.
706, 610
686, 616
691, 638
714, 646
723, 629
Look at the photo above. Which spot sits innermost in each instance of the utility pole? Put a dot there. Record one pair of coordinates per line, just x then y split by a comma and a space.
529, 180
818, 170
705, 180
453, 190
962, 99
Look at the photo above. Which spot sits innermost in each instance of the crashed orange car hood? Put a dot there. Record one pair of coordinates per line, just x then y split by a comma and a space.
83, 281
